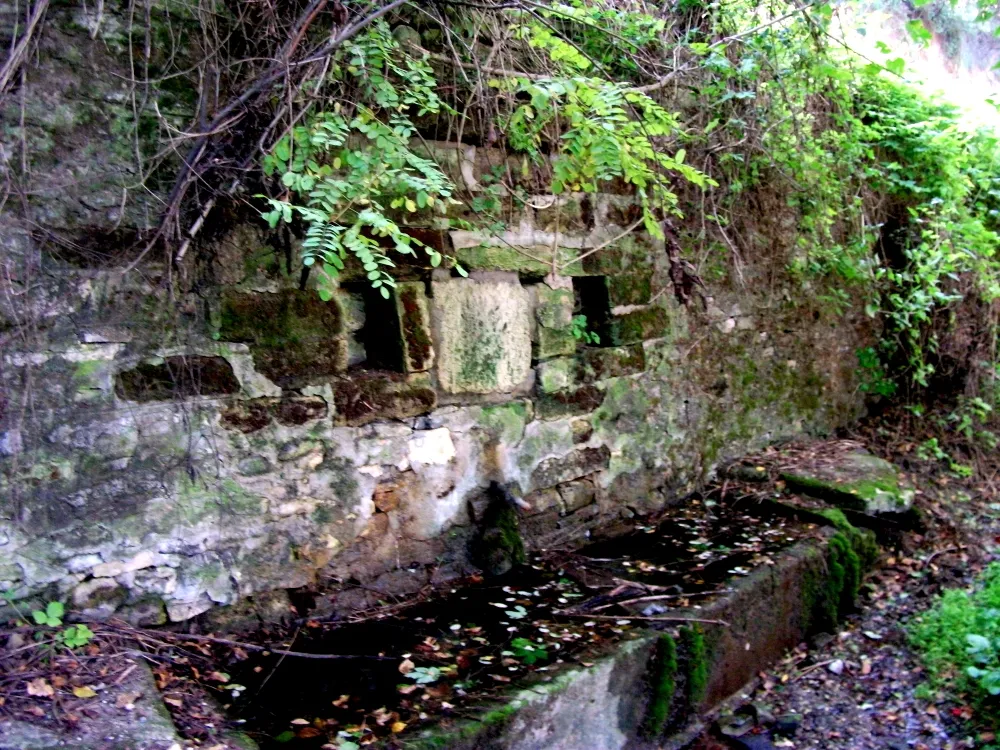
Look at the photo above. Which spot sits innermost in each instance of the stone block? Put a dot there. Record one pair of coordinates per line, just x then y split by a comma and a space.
554, 342
629, 254
485, 335
292, 334
582, 400
630, 288
582, 430
529, 260
246, 416
857, 481
367, 396
388, 495
577, 494
648, 323
254, 466
556, 374
554, 306
299, 410
565, 213
600, 363
576, 464
98, 598
431, 447
415, 325
543, 500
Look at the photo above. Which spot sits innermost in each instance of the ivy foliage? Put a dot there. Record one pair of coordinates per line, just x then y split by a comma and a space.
344, 173
888, 203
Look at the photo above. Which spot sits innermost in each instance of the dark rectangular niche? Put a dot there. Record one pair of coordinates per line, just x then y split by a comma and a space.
380, 336
177, 377
590, 298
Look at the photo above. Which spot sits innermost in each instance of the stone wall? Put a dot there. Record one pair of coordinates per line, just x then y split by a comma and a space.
253, 448
177, 438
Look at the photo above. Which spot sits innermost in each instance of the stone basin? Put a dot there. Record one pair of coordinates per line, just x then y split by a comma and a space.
650, 677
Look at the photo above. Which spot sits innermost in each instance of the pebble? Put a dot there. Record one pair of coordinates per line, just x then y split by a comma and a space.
836, 666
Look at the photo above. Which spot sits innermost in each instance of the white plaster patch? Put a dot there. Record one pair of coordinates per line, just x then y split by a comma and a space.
432, 447
145, 559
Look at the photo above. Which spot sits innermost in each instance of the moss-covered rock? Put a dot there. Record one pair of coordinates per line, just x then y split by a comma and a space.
554, 342
415, 324
648, 323
498, 546
663, 685
293, 334
858, 481
630, 288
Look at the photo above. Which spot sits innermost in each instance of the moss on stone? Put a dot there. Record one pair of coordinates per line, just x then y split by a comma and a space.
630, 289
602, 363
506, 421
498, 547
414, 321
502, 258
293, 334
829, 595
556, 375
555, 307
695, 665
664, 685
575, 401
177, 377
554, 342
648, 323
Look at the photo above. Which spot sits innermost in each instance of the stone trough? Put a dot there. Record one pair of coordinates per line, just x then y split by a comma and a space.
657, 689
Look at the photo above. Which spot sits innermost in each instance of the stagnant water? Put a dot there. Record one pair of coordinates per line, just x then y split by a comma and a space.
437, 660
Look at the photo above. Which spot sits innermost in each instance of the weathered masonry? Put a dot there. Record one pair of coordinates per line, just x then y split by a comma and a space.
276, 437
174, 438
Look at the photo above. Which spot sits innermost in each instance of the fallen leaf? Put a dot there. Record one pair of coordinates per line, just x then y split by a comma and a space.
127, 700
40, 688
872, 635
175, 702
398, 727
84, 692
866, 667
219, 677
341, 701
406, 666
308, 733
299, 722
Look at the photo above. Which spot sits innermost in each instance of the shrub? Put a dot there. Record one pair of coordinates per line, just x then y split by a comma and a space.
959, 640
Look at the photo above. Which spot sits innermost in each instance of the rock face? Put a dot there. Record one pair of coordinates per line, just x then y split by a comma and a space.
175, 439
857, 481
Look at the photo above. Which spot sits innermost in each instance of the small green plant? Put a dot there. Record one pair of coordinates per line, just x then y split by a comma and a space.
578, 327
527, 652
931, 450
52, 615
73, 636
346, 170
872, 372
